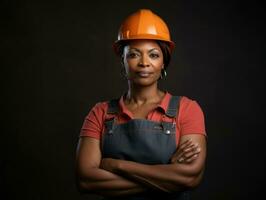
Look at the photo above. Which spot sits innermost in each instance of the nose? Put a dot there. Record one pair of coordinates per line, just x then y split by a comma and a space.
144, 61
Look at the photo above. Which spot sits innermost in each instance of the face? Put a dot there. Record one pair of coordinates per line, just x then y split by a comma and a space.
143, 61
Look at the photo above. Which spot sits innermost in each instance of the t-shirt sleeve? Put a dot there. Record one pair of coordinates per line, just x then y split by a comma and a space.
191, 117
93, 123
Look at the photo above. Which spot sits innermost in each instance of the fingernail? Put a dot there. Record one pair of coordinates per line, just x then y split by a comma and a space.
181, 159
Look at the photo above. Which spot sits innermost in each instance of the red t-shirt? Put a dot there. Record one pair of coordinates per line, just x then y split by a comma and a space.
190, 117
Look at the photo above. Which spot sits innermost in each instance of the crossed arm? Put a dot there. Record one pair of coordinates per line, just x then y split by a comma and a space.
114, 177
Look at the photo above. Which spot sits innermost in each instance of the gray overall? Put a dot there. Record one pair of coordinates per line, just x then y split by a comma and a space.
143, 141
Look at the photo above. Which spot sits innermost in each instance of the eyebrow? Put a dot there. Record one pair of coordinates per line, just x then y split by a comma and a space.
140, 51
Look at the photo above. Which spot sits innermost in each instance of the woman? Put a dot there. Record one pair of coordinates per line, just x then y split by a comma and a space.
148, 143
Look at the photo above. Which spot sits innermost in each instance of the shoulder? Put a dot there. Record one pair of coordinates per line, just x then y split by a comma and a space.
191, 117
98, 111
187, 103
100, 108
186, 100
189, 109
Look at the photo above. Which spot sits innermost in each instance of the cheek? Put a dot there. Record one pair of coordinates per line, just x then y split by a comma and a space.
131, 64
158, 65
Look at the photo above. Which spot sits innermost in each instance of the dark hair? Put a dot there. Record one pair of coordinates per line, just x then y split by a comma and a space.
162, 44
166, 52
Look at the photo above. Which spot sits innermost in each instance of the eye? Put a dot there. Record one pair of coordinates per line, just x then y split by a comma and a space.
132, 55
154, 55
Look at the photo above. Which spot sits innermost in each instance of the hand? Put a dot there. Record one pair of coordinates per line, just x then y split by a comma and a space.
186, 152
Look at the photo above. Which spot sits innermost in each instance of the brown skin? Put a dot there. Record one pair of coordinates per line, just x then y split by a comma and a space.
91, 178
168, 178
143, 62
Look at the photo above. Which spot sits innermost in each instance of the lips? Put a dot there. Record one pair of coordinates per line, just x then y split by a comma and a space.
144, 74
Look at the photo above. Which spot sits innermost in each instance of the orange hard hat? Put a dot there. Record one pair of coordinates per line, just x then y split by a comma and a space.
143, 24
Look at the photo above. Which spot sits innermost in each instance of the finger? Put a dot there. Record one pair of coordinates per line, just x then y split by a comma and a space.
173, 160
183, 152
191, 159
186, 146
183, 147
185, 143
190, 155
192, 148
177, 155
174, 157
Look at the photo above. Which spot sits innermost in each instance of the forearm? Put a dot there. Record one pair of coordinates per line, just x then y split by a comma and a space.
102, 182
168, 178
92, 179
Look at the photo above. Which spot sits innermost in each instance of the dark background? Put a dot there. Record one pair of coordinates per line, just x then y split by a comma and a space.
57, 62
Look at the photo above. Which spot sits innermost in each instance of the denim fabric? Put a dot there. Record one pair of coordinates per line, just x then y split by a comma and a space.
143, 141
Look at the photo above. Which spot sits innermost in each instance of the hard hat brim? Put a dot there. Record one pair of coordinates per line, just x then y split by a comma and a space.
117, 43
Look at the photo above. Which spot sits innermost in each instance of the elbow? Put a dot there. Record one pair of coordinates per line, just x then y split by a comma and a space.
188, 182
194, 181
84, 187
195, 177
84, 184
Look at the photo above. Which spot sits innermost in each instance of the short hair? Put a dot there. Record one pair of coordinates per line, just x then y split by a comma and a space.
164, 46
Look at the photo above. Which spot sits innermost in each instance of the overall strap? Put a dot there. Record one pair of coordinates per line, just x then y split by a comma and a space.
113, 106
173, 106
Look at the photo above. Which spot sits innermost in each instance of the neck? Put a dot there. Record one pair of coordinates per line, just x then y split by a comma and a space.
141, 95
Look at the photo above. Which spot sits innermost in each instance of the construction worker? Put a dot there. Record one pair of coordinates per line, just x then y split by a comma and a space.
147, 144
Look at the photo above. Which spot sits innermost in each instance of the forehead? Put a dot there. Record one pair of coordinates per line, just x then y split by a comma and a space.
143, 44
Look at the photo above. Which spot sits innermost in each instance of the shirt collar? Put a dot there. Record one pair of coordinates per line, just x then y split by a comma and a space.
165, 101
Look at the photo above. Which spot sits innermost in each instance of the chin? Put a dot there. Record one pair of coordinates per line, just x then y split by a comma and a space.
144, 82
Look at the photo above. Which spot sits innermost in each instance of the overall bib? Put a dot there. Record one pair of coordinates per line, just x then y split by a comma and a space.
143, 141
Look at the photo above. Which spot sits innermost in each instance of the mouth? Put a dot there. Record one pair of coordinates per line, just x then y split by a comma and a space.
144, 74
